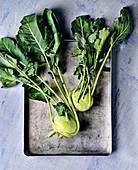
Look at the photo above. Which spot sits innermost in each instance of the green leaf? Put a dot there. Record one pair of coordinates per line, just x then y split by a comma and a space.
81, 25
30, 69
30, 38
51, 31
84, 30
97, 25
82, 56
36, 94
50, 20
7, 61
101, 60
61, 108
39, 38
103, 34
92, 37
122, 27
24, 80
52, 61
9, 46
7, 78
51, 51
87, 33
81, 40
76, 52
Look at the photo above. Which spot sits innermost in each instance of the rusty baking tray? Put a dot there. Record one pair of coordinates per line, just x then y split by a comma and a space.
95, 135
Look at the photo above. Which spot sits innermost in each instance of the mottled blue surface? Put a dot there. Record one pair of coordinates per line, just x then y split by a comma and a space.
125, 90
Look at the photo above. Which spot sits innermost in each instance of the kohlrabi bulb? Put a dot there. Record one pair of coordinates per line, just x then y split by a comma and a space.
63, 126
84, 103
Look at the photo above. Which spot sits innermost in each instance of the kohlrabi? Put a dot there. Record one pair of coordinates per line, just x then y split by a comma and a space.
37, 42
94, 46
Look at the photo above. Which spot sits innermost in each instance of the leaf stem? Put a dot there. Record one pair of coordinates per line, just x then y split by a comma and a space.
86, 87
66, 114
58, 97
65, 87
95, 83
78, 84
62, 80
81, 85
56, 79
88, 78
76, 117
50, 111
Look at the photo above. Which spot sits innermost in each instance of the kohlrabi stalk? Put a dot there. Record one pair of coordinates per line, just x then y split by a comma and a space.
42, 40
64, 85
94, 46
68, 124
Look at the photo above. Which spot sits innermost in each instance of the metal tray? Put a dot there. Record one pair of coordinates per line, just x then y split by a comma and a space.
94, 137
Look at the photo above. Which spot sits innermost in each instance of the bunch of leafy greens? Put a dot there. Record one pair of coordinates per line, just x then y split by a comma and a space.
94, 45
37, 42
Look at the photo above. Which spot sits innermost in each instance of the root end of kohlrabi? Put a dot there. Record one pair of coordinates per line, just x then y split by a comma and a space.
84, 103
60, 136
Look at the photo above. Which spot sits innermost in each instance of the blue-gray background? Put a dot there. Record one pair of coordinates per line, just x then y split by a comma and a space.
125, 89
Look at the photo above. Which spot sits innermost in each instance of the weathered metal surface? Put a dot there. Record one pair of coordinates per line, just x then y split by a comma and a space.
95, 125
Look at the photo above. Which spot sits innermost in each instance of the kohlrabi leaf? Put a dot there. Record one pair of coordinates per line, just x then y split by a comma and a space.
103, 34
61, 108
7, 61
7, 78
10, 47
52, 61
92, 37
30, 38
81, 29
85, 30
76, 52
57, 40
30, 69
82, 25
49, 19
122, 27
40, 39
97, 25
51, 31
36, 94
81, 40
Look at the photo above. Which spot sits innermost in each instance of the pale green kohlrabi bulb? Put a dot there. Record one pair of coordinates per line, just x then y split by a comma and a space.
84, 103
63, 126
